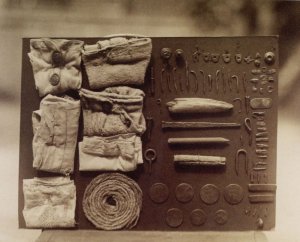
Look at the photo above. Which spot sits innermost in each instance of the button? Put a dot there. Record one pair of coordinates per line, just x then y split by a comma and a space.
198, 217
269, 58
57, 58
233, 194
209, 194
54, 79
159, 192
174, 217
221, 217
184, 192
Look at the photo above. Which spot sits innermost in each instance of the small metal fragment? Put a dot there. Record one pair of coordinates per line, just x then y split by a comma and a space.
198, 217
240, 102
179, 54
210, 194
184, 192
203, 81
217, 80
262, 134
226, 57
261, 129
152, 81
247, 104
215, 57
261, 151
149, 127
161, 80
261, 198
262, 187
236, 78
174, 81
196, 80
221, 217
262, 156
237, 161
259, 168
260, 223
206, 56
248, 126
270, 89
209, 78
262, 140
150, 156
261, 123
166, 53
256, 71
159, 192
174, 217
238, 58
262, 145
248, 59
261, 103
270, 71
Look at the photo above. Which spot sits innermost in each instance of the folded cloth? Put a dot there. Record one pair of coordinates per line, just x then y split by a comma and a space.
56, 65
120, 152
55, 129
116, 110
117, 61
49, 202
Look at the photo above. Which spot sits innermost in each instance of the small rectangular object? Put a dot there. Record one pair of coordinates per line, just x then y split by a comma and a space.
261, 198
262, 187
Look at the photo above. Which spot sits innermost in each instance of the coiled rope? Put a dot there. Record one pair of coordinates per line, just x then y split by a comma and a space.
112, 201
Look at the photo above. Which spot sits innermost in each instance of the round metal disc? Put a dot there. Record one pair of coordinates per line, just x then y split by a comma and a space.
221, 217
209, 194
174, 217
184, 192
159, 192
233, 194
198, 217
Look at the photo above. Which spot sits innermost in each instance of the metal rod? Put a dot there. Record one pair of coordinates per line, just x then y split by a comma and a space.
202, 140
199, 160
197, 125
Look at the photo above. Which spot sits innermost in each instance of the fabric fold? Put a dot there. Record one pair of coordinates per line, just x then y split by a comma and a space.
119, 152
56, 65
117, 61
55, 129
49, 202
116, 110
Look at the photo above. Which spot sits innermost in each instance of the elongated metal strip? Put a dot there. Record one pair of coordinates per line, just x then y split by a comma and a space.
197, 125
262, 187
202, 140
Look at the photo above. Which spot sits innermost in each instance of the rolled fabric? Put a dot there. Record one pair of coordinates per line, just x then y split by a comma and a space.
56, 65
55, 129
116, 110
119, 152
117, 61
49, 202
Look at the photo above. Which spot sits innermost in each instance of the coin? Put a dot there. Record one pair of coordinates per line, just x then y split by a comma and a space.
198, 217
184, 192
174, 217
209, 194
233, 194
221, 217
159, 192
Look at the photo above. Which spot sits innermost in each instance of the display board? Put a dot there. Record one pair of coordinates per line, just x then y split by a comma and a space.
203, 170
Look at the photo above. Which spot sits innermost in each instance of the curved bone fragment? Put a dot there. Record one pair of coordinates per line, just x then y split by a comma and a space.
197, 105
199, 160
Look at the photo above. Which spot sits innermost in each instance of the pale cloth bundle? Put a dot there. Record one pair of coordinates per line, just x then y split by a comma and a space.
49, 202
119, 152
56, 65
55, 128
116, 110
117, 61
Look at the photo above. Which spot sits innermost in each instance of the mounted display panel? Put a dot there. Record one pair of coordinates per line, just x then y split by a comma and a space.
209, 107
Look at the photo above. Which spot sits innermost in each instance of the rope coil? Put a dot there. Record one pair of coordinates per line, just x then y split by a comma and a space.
112, 201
